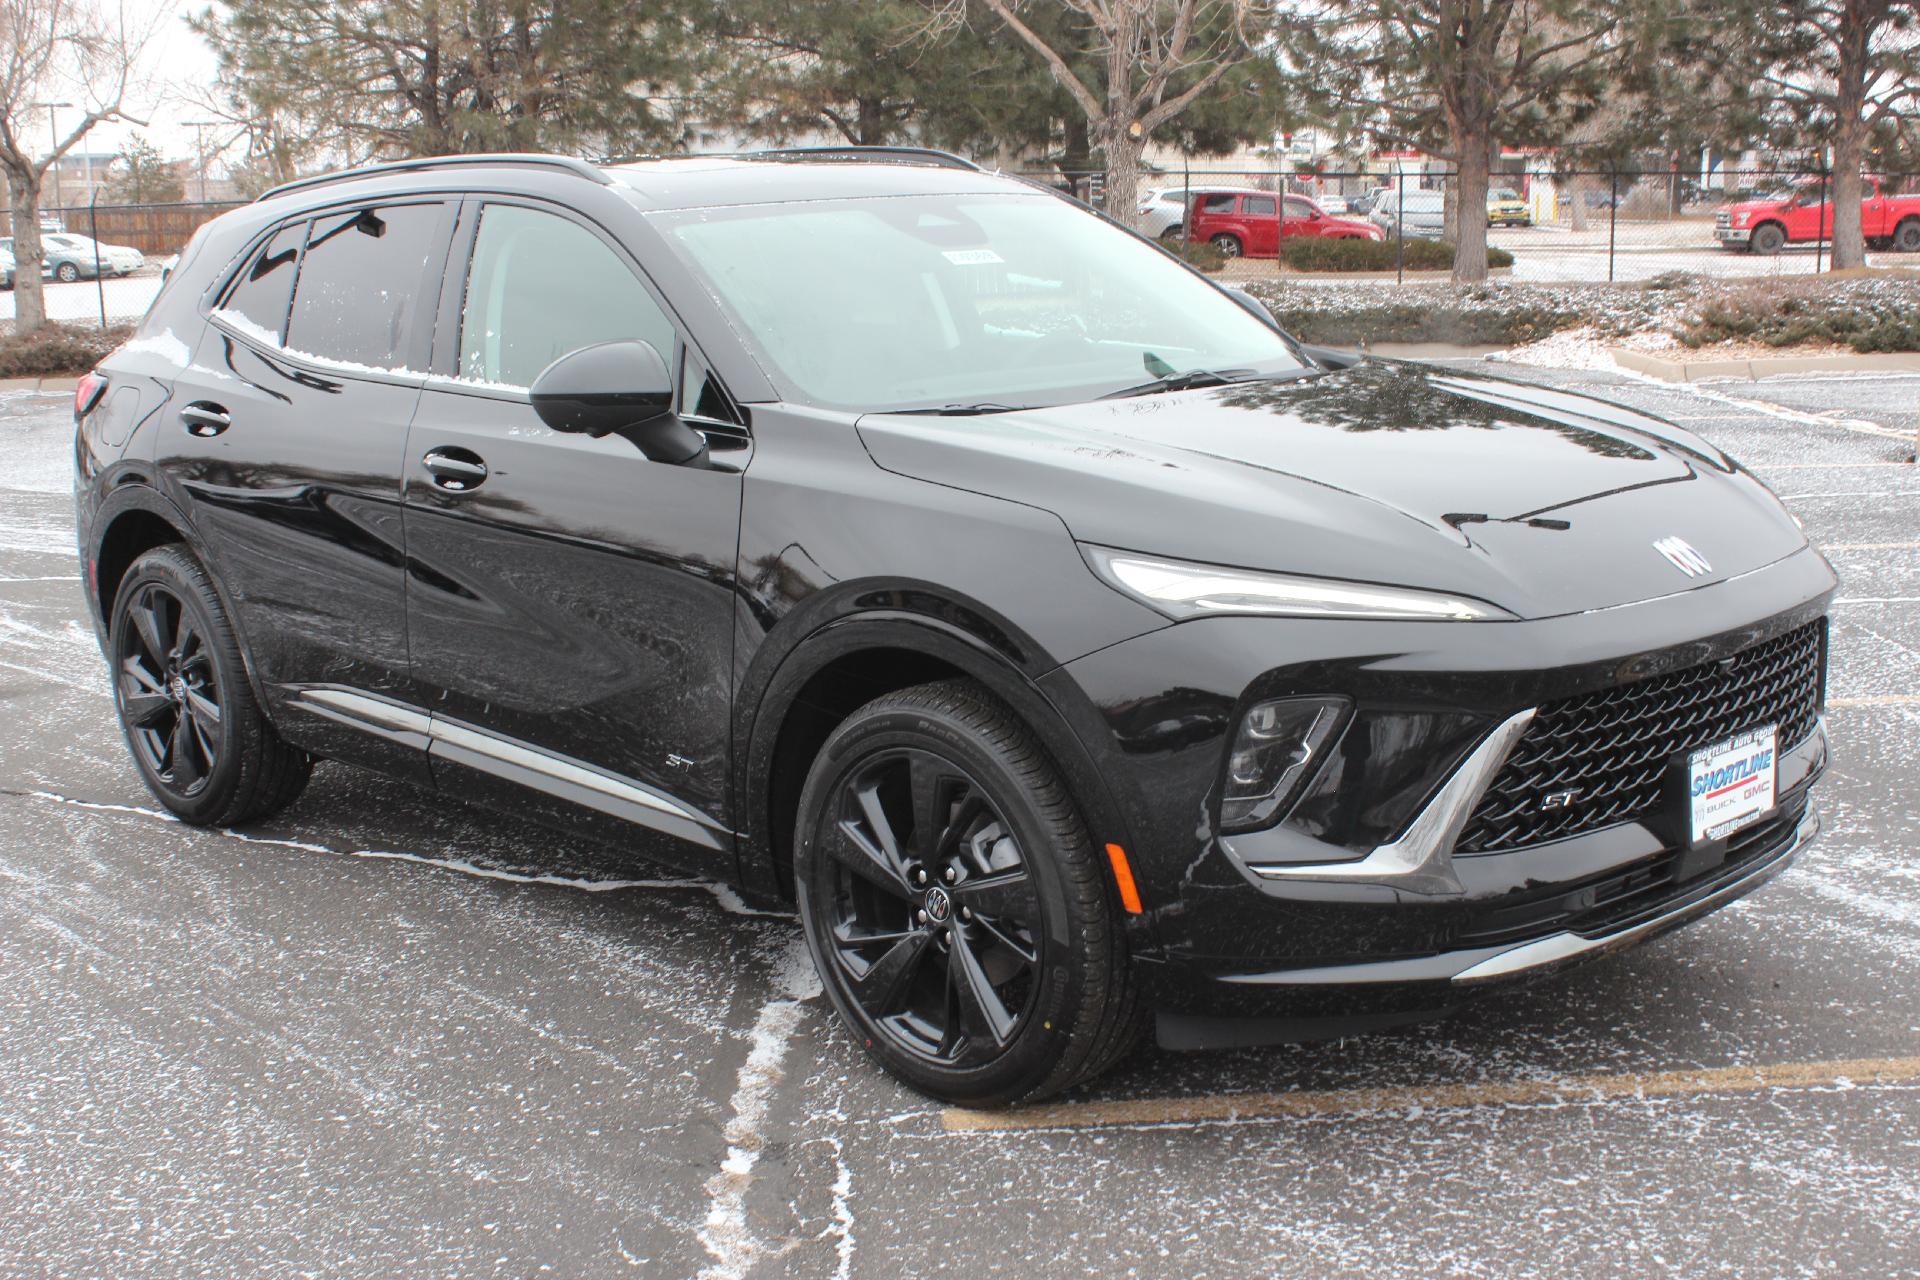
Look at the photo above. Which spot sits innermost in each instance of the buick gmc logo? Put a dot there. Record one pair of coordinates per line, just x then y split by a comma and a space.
1681, 555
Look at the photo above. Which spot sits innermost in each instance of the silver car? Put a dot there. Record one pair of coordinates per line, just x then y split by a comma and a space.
1424, 213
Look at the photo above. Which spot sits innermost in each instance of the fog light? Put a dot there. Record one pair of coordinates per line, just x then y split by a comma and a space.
1277, 748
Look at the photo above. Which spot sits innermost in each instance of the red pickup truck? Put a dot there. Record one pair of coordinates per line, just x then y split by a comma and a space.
1768, 224
1239, 223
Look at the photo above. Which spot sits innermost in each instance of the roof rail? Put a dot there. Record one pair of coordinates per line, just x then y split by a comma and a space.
878, 155
567, 163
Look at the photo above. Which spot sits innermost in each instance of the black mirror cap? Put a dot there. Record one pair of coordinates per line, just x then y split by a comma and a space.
616, 388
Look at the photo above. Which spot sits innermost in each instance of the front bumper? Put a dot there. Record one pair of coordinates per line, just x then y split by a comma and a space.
1281, 925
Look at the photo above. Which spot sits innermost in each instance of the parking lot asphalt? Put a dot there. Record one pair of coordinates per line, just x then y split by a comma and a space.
389, 1035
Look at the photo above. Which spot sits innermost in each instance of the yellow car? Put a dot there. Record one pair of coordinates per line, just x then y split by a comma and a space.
1506, 209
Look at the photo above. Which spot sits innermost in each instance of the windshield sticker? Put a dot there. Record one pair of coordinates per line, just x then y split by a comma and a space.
971, 257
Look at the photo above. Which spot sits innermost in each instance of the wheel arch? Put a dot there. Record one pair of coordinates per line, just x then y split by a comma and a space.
845, 663
132, 521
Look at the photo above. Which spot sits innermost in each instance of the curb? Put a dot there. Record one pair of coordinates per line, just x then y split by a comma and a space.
1762, 366
49, 386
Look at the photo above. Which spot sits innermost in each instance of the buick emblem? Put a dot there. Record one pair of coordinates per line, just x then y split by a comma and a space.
1681, 555
939, 905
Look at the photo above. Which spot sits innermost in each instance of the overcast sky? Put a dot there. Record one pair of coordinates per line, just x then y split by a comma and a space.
179, 63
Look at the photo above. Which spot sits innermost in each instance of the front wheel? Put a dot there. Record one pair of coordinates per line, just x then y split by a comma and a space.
66, 273
1229, 246
954, 905
198, 737
1768, 238
1906, 237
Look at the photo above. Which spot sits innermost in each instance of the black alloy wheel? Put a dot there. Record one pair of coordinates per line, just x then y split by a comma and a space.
200, 741
169, 692
953, 905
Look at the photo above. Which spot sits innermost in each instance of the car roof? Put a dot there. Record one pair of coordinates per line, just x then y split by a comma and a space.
705, 181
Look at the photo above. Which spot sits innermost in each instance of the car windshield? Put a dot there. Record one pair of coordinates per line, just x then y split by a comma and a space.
952, 301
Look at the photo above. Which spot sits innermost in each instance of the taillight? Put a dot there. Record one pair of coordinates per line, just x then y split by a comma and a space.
87, 394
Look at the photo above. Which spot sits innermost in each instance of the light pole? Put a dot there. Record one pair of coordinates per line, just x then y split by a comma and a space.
200, 128
53, 135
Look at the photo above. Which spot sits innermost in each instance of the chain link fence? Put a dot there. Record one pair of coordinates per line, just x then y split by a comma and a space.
1583, 226
103, 263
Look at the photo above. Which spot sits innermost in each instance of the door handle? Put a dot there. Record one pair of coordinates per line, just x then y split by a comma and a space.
455, 470
204, 418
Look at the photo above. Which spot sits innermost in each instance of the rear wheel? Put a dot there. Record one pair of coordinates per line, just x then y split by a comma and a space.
1768, 237
1906, 237
1229, 246
953, 903
197, 736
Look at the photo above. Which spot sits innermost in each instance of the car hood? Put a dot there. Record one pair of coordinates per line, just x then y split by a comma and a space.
1341, 223
1540, 501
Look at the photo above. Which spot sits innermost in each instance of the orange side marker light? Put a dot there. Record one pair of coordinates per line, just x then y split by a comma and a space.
1123, 877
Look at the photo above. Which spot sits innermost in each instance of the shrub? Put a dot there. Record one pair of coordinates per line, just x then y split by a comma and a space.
1866, 317
56, 350
1323, 253
1198, 254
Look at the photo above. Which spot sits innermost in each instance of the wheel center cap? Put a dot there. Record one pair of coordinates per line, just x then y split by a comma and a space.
939, 905
177, 686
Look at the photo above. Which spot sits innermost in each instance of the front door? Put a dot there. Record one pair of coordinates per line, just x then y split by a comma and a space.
283, 442
1262, 216
570, 604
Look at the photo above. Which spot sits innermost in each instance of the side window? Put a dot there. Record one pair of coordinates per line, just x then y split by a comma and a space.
541, 286
360, 288
263, 293
1216, 203
1257, 206
1298, 209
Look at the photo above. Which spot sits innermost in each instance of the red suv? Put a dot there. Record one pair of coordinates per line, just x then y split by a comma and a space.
1251, 225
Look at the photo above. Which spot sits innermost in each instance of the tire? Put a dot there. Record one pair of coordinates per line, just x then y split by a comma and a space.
197, 735
1229, 246
1026, 989
66, 273
1174, 232
1906, 236
1768, 237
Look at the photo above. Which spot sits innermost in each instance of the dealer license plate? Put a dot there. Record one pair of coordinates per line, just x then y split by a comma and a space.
1730, 784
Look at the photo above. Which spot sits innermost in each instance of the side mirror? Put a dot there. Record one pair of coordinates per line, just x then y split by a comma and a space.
616, 388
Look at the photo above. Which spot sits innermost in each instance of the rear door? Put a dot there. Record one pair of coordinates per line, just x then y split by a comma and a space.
1261, 214
571, 604
283, 443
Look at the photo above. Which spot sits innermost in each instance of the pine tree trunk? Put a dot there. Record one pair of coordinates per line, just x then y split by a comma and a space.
1470, 249
29, 296
1849, 130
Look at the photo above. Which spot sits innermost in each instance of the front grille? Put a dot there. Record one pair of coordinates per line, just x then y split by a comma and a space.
1723, 221
1612, 749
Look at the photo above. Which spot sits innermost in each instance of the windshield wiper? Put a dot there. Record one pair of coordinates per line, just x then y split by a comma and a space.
1182, 382
958, 410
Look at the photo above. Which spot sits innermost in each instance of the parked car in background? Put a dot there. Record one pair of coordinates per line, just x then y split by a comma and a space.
1369, 200
1163, 210
1799, 215
67, 257
1251, 224
6, 269
1506, 208
1336, 205
1424, 213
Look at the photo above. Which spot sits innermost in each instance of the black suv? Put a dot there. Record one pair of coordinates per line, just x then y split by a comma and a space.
1076, 649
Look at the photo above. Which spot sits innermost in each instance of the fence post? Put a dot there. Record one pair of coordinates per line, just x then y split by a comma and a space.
1186, 199
99, 276
1613, 216
1400, 228
1821, 216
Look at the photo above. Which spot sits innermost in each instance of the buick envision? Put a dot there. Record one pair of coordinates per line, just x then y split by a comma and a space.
1073, 647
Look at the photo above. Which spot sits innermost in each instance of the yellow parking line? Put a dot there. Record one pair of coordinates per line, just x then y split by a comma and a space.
1880, 700
1216, 1108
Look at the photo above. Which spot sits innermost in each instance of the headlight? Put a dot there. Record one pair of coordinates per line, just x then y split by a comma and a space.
1277, 748
1182, 589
